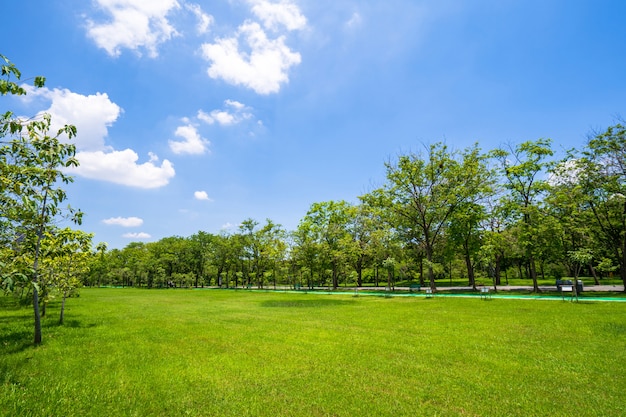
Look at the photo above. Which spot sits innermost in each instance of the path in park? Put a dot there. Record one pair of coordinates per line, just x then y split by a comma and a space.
590, 288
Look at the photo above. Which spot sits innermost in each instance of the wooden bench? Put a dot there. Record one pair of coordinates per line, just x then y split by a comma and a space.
485, 293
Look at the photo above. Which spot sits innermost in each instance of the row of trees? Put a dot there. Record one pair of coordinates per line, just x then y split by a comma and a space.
439, 212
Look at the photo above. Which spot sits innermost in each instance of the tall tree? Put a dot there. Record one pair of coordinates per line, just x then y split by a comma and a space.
424, 191
602, 173
523, 167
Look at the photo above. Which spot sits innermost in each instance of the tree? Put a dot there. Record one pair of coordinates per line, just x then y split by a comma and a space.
601, 171
424, 191
32, 162
66, 255
327, 224
522, 168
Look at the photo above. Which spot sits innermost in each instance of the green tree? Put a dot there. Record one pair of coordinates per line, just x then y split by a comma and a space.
522, 168
32, 163
328, 223
601, 170
66, 255
424, 191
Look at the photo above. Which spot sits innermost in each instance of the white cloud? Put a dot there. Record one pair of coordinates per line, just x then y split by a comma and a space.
123, 221
235, 104
93, 115
133, 24
227, 226
121, 167
201, 195
354, 21
263, 69
234, 113
192, 142
204, 20
274, 15
139, 235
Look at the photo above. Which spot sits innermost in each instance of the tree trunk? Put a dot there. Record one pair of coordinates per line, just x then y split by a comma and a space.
593, 273
622, 266
37, 339
431, 273
470, 271
62, 315
497, 271
533, 274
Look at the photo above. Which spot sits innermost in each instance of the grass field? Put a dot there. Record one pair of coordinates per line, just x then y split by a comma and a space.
128, 352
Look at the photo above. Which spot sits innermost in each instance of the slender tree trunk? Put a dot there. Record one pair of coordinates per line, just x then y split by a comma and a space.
498, 269
376, 276
431, 273
593, 273
470, 270
533, 274
37, 339
62, 316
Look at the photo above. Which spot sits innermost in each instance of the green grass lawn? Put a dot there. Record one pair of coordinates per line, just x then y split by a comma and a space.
127, 352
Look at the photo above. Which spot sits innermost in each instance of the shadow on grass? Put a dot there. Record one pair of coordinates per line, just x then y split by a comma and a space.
72, 324
15, 341
305, 303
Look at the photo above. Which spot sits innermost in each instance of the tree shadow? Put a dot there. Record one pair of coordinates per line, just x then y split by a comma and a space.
15, 341
305, 303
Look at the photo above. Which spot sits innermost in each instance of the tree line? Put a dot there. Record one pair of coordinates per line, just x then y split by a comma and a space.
511, 210
439, 212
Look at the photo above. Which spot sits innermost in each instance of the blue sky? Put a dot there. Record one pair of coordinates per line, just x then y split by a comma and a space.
196, 115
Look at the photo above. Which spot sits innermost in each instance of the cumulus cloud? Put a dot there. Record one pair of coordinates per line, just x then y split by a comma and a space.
234, 112
133, 24
123, 221
192, 142
139, 235
93, 115
263, 67
275, 15
121, 167
201, 195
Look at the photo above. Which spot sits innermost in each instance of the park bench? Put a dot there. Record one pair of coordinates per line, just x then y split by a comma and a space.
416, 287
568, 289
429, 292
485, 293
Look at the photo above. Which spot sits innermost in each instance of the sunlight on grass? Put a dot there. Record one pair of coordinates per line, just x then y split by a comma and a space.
236, 353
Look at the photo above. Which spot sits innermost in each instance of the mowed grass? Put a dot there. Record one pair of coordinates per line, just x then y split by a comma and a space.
127, 352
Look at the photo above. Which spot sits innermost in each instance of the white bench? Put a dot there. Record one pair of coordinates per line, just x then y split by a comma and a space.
567, 289
429, 292
485, 293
